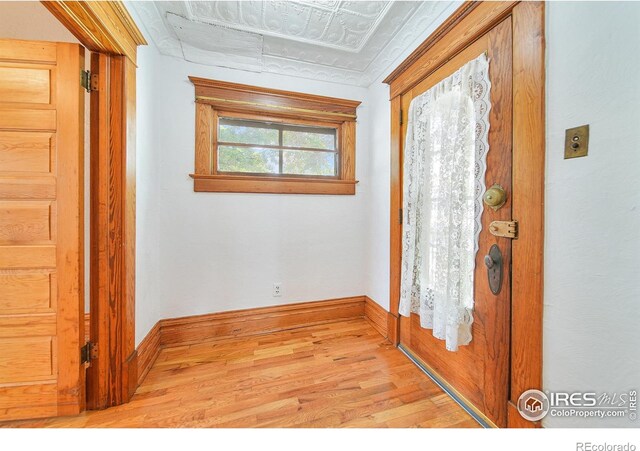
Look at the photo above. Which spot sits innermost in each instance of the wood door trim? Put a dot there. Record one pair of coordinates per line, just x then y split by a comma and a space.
105, 27
470, 22
99, 260
434, 37
528, 197
111, 378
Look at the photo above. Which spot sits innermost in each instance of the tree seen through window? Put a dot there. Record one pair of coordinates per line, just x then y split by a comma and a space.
278, 149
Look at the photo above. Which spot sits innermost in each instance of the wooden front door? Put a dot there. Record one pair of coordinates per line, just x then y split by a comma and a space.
41, 224
479, 372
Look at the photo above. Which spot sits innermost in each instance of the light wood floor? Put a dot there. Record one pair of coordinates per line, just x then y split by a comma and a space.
342, 374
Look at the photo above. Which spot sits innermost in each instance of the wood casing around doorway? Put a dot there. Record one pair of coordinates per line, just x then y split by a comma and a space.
111, 377
107, 29
466, 25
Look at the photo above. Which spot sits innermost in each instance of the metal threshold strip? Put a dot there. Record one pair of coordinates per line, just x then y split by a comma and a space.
438, 381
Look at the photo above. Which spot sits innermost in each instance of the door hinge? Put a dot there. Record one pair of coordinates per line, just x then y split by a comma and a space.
88, 352
89, 81
400, 117
506, 229
400, 216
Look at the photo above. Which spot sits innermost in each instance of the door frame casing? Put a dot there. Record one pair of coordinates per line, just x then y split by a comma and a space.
465, 25
109, 377
107, 28
103, 27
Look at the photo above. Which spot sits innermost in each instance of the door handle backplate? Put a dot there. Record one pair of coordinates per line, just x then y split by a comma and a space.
493, 262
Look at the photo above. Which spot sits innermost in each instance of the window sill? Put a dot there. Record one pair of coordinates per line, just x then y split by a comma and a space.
271, 185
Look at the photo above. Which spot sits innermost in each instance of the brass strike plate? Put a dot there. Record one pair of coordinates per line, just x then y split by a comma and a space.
506, 229
576, 142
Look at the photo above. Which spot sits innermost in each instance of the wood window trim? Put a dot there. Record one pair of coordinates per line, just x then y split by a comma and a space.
215, 99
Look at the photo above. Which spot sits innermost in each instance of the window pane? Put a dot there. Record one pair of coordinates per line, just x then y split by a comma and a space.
247, 159
302, 162
322, 138
247, 132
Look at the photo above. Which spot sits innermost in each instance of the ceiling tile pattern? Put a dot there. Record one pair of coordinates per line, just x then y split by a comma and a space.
349, 42
342, 25
203, 43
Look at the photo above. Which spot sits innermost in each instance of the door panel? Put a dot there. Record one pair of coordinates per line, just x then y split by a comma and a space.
26, 221
479, 372
25, 84
25, 152
25, 119
27, 358
41, 247
25, 292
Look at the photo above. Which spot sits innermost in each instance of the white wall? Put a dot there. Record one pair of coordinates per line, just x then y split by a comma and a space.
377, 255
209, 252
379, 130
212, 252
148, 299
592, 240
223, 251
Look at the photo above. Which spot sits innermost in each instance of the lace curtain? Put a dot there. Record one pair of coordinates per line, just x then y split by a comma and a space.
444, 169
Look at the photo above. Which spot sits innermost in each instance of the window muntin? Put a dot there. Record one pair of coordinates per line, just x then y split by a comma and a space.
252, 147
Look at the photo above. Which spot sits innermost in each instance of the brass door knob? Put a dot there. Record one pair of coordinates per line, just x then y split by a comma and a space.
495, 197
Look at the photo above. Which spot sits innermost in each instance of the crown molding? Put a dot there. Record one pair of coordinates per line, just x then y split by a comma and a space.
100, 26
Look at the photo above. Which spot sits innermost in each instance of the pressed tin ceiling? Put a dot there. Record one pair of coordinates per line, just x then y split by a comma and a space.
349, 42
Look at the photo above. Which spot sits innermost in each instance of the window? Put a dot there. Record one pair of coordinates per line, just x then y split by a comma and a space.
264, 148
259, 140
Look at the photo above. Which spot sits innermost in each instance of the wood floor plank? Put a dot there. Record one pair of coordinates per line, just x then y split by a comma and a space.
342, 374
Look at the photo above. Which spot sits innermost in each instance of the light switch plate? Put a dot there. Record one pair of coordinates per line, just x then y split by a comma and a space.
576, 142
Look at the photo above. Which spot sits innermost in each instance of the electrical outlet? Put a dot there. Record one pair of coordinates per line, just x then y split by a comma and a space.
277, 289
